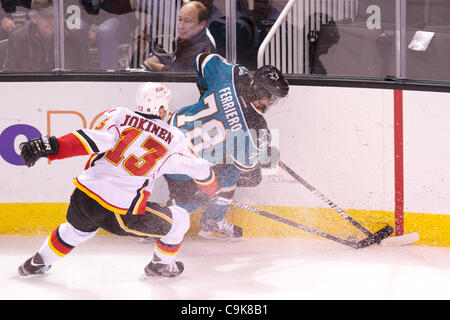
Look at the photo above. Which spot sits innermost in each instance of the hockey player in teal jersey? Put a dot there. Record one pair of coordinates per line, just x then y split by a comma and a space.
227, 128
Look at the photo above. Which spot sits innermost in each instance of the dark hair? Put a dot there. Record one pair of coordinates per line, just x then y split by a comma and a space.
202, 11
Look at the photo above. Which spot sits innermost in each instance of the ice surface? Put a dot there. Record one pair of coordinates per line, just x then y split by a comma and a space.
111, 267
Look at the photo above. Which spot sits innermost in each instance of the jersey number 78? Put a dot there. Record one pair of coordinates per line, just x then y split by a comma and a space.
204, 134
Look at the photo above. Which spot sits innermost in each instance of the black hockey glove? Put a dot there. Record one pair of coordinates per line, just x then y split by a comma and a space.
205, 199
250, 178
32, 150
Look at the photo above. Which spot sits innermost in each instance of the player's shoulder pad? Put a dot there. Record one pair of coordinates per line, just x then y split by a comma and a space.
107, 116
115, 111
204, 59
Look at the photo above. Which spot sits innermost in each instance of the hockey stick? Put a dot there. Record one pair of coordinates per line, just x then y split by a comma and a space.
372, 239
400, 240
322, 197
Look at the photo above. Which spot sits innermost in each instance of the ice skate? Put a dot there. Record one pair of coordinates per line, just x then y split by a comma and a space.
34, 265
157, 269
211, 229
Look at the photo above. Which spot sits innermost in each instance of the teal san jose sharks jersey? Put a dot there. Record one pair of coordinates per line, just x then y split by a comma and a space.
218, 126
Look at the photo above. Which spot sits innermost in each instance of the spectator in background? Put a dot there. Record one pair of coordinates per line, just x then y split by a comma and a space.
320, 41
13, 14
192, 40
261, 16
254, 19
213, 11
31, 46
260, 10
114, 23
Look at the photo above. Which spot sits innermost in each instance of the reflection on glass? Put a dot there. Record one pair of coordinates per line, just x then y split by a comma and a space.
320, 37
428, 40
110, 26
13, 14
30, 46
254, 20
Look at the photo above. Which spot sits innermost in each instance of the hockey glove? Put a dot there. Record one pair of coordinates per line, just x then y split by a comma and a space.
205, 199
32, 150
250, 178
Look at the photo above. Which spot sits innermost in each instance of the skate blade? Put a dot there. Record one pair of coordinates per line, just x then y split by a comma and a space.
402, 240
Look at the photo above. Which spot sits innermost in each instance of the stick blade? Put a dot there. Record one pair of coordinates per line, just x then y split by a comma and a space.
402, 240
376, 237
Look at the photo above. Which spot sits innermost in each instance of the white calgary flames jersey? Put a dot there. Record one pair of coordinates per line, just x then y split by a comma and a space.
129, 152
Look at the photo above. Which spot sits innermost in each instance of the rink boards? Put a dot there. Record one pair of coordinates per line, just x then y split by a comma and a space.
41, 219
340, 140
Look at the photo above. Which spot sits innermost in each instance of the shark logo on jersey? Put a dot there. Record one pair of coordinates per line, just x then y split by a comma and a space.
243, 71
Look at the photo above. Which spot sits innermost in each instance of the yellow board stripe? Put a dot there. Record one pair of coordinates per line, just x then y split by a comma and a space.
43, 218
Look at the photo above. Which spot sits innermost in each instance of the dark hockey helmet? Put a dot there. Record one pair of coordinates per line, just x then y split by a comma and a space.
268, 87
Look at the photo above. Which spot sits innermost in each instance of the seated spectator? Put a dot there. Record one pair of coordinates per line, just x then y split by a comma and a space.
261, 16
13, 14
114, 23
31, 46
254, 19
192, 40
261, 10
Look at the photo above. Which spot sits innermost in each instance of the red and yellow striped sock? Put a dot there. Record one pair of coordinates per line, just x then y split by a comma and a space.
166, 252
54, 248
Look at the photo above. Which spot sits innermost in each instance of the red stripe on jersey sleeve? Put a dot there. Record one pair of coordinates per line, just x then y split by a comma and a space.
69, 146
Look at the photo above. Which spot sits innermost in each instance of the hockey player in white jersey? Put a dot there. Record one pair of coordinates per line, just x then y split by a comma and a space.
129, 151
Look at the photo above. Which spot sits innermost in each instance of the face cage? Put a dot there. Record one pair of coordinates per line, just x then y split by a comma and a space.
272, 102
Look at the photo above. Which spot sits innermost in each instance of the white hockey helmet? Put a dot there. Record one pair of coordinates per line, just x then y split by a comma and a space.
151, 96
